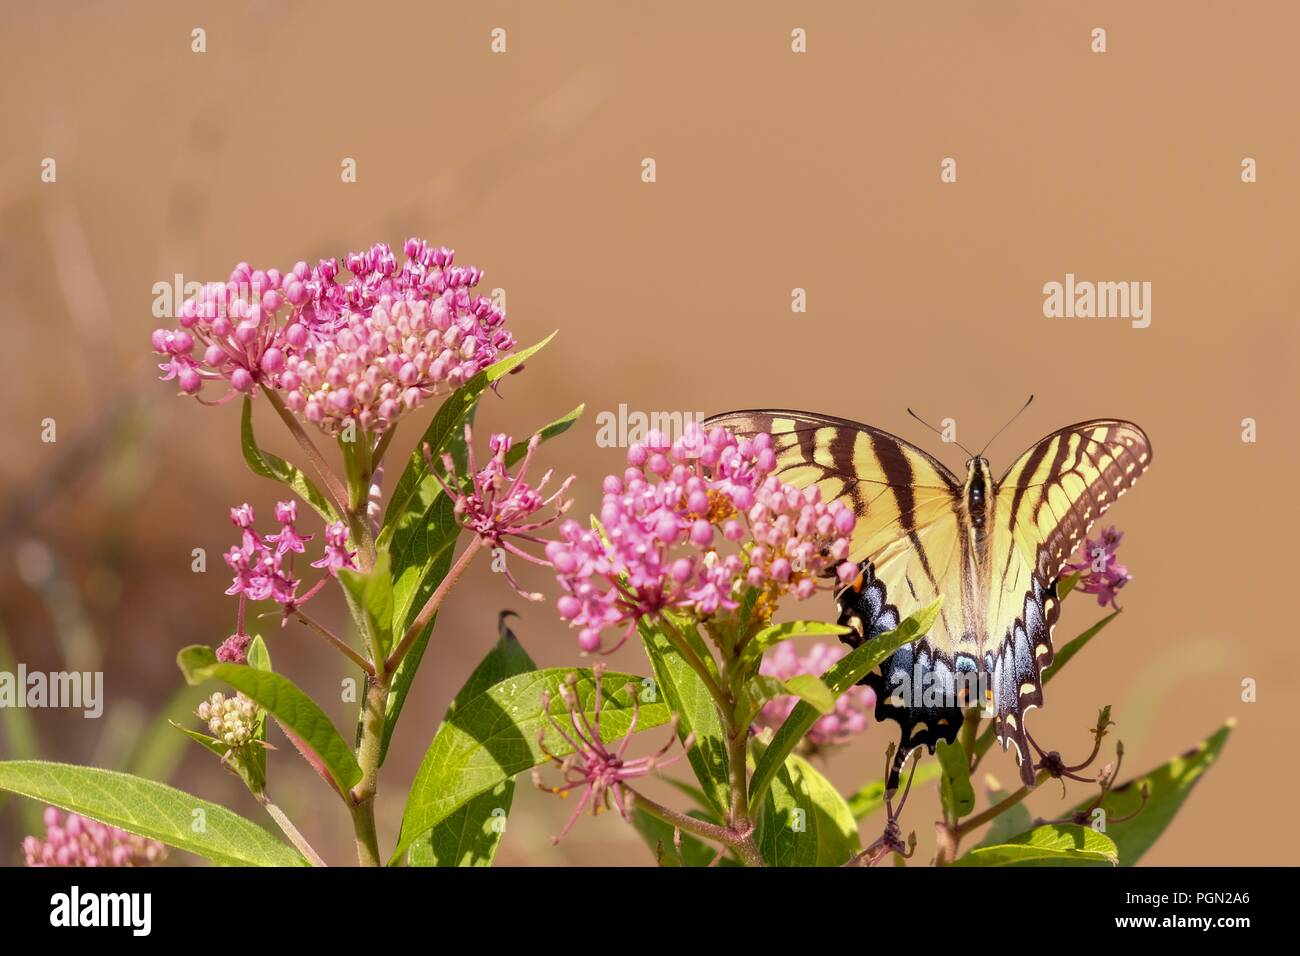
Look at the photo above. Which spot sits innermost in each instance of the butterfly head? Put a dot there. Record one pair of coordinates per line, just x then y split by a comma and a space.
977, 464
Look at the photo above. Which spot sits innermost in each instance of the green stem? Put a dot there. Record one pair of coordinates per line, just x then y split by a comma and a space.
968, 736
368, 756
431, 606
291, 831
335, 642
683, 647
331, 480
748, 851
700, 828
386, 439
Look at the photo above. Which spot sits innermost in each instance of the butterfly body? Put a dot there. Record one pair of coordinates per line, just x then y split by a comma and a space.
991, 548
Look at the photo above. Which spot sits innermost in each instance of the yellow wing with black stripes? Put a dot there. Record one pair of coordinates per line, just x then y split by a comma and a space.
1044, 505
908, 542
923, 533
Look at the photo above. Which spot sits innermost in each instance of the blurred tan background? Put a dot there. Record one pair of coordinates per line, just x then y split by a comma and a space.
774, 171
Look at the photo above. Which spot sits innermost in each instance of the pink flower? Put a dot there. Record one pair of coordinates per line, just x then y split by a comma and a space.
78, 841
665, 521
263, 567
234, 649
366, 350
499, 507
599, 771
288, 539
337, 554
1102, 574
852, 710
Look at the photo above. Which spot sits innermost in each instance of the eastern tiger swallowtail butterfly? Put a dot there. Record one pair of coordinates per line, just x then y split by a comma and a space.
993, 549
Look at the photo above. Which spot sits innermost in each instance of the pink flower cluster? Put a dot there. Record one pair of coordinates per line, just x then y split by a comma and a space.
77, 841
1102, 574
365, 350
852, 709
263, 566
498, 506
600, 772
662, 522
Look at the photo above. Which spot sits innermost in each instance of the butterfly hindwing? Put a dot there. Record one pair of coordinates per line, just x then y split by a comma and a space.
901, 683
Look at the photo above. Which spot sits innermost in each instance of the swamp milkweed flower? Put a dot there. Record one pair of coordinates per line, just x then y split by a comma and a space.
661, 523
499, 507
263, 567
598, 770
77, 841
368, 349
1102, 574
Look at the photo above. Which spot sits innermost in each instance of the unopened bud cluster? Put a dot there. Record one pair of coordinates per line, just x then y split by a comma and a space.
232, 720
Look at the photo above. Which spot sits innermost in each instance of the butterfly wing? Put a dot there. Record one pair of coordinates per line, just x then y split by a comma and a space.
908, 544
1044, 506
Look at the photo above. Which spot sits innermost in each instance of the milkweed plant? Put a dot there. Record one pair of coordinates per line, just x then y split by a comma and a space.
699, 553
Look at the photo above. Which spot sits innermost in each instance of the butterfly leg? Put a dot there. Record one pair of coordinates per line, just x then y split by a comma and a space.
1052, 762
891, 840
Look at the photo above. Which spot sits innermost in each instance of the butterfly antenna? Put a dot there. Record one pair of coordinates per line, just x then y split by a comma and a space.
937, 432
1004, 427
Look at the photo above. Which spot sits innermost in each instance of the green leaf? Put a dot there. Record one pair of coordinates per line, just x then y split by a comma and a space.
1169, 785
1059, 842
218, 747
258, 655
370, 596
267, 465
754, 693
259, 658
774, 634
494, 736
805, 821
470, 835
448, 423
421, 550
689, 698
955, 791
546, 432
1059, 660
810, 688
149, 809
847, 671
1067, 584
1012, 821
871, 797
298, 714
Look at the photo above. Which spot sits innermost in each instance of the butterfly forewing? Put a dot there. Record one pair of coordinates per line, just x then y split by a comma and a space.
908, 541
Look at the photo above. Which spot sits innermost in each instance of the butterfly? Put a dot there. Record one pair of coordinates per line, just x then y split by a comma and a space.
993, 549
